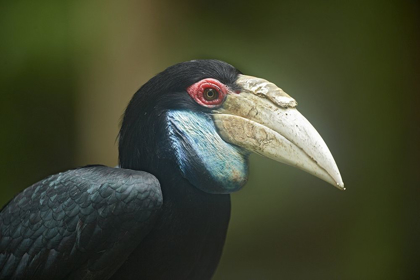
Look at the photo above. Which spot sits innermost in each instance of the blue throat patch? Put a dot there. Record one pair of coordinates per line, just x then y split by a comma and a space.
205, 159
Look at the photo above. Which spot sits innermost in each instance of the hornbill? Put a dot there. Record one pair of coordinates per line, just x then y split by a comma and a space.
164, 212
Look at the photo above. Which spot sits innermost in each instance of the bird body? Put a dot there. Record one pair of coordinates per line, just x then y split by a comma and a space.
73, 224
164, 213
186, 241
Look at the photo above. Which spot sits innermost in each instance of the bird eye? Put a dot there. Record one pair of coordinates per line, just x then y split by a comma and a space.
210, 94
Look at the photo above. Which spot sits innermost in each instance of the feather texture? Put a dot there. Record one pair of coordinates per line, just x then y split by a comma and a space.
72, 224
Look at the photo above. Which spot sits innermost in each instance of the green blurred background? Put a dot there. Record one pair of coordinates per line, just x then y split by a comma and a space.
69, 68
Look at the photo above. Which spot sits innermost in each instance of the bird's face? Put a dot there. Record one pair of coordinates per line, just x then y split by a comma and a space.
214, 116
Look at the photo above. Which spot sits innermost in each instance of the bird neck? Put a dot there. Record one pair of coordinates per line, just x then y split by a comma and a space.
180, 144
204, 158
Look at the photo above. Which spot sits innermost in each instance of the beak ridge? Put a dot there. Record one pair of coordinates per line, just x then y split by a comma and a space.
263, 119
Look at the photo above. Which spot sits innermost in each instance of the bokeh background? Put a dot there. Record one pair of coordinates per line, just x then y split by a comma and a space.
69, 68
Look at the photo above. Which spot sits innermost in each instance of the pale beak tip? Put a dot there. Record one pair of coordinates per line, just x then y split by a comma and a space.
340, 186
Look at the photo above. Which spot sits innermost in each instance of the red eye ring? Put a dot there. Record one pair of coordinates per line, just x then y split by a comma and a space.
208, 92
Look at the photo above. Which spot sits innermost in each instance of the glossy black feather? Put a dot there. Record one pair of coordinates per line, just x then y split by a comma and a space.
143, 143
188, 239
75, 224
106, 223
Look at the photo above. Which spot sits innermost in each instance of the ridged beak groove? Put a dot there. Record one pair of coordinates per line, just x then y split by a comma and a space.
263, 119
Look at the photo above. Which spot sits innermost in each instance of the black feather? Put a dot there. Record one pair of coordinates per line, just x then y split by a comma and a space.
70, 237
117, 223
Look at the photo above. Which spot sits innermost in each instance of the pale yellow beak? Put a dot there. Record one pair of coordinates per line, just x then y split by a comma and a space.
263, 119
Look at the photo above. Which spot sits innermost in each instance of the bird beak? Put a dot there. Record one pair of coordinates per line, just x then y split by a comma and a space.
263, 119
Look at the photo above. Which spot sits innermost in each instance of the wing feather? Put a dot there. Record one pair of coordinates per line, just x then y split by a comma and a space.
81, 224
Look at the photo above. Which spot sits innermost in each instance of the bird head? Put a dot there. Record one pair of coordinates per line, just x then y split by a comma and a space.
202, 118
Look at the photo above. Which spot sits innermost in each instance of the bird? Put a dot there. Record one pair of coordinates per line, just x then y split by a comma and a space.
163, 212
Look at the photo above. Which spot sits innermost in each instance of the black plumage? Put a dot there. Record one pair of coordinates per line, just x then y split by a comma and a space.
121, 223
164, 213
74, 224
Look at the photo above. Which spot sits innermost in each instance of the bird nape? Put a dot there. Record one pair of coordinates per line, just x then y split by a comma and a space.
164, 213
